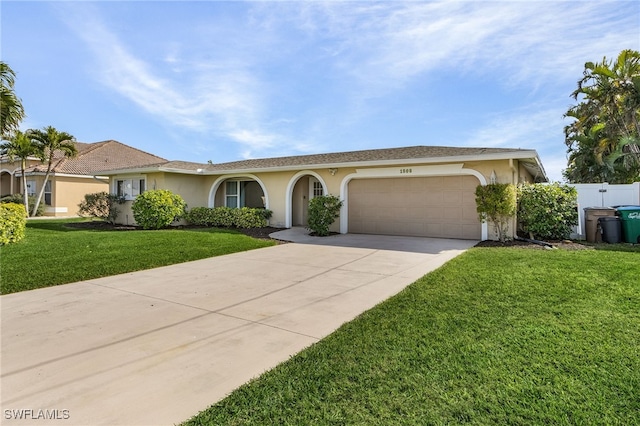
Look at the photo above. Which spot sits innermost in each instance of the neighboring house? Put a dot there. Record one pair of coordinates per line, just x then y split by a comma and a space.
72, 178
416, 191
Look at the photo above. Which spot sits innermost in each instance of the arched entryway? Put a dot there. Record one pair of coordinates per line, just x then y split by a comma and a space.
238, 191
7, 186
302, 187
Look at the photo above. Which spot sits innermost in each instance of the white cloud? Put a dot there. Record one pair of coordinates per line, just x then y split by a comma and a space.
206, 97
533, 127
281, 76
520, 128
383, 45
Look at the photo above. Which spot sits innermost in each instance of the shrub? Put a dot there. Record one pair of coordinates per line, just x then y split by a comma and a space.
157, 208
18, 199
323, 211
13, 221
224, 216
547, 211
200, 216
101, 205
497, 202
244, 217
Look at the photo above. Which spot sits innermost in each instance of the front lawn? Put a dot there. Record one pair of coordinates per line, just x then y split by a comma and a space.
496, 336
53, 253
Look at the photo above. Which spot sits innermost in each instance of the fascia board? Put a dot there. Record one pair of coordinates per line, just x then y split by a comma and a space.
524, 154
452, 159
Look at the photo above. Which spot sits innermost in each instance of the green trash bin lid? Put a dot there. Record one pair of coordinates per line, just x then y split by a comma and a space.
629, 212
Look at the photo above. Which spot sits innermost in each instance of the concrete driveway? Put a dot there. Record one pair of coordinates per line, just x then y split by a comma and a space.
158, 346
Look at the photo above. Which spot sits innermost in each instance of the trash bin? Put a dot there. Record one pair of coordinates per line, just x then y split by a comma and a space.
591, 215
630, 217
610, 229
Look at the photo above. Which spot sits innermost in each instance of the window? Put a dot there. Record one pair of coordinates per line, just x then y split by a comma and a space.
31, 188
317, 189
47, 193
232, 193
130, 188
243, 193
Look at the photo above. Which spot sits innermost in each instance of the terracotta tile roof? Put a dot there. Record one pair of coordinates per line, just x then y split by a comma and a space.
94, 158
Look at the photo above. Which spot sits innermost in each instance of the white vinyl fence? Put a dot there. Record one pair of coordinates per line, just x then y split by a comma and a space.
604, 195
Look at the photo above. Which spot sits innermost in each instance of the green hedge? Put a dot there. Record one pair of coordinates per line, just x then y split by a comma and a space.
157, 208
101, 205
18, 199
13, 222
547, 211
226, 217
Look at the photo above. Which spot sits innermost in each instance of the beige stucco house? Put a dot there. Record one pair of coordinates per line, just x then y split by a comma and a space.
72, 178
414, 191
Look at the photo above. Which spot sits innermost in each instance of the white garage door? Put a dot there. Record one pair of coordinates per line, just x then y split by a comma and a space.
442, 207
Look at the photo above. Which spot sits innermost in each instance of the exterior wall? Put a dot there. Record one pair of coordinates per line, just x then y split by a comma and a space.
68, 192
287, 192
192, 188
11, 170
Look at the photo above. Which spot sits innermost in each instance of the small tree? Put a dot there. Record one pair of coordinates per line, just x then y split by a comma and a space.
496, 202
323, 211
101, 205
157, 208
547, 211
48, 141
20, 147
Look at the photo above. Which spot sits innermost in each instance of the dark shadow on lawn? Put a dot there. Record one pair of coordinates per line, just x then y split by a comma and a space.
624, 247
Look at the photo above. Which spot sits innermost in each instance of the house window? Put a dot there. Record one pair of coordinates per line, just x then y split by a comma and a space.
31, 188
232, 193
47, 193
130, 188
243, 193
317, 189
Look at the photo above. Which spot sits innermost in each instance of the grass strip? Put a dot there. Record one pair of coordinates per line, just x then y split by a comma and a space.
496, 336
53, 253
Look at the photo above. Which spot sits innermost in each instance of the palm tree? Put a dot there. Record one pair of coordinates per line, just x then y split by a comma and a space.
609, 114
11, 110
22, 147
49, 142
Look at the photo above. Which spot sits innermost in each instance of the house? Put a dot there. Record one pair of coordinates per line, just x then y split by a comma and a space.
72, 178
415, 191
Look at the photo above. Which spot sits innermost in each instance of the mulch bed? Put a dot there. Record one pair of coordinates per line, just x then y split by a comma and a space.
563, 244
260, 233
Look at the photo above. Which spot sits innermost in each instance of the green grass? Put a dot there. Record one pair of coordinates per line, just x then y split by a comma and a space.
496, 336
52, 253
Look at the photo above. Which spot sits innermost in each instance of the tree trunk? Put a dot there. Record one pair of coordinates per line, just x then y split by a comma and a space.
25, 195
41, 192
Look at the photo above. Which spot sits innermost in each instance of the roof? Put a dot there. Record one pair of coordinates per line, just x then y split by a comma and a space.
408, 155
94, 158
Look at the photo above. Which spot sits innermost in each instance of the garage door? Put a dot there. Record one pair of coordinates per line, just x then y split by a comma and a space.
441, 207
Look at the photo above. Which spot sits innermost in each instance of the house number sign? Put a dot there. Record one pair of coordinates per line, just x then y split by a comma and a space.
405, 171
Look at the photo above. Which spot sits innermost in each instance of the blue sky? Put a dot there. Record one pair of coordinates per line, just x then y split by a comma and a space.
223, 81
